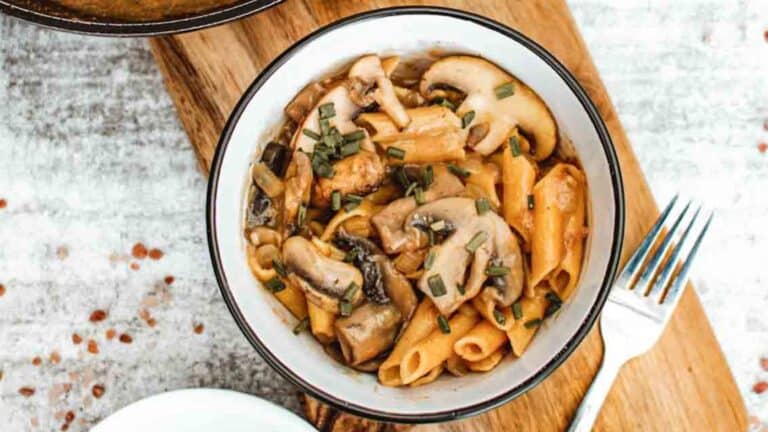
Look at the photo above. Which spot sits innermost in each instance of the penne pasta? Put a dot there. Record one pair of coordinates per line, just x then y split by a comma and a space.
428, 120
518, 178
486, 306
431, 376
293, 299
522, 331
563, 280
366, 208
456, 365
321, 322
423, 323
442, 147
556, 198
480, 342
484, 176
489, 363
437, 347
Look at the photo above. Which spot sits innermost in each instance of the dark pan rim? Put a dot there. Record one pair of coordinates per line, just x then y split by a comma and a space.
138, 29
545, 370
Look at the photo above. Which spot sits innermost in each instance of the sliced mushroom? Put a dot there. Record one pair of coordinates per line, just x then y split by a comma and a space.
359, 174
323, 280
451, 258
390, 221
345, 109
370, 83
495, 116
303, 102
298, 186
368, 331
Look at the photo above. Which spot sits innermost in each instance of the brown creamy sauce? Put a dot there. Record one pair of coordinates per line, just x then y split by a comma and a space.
141, 10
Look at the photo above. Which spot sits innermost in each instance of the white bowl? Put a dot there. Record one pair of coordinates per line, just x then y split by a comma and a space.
268, 325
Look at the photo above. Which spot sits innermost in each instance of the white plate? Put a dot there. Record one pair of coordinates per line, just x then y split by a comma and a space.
203, 410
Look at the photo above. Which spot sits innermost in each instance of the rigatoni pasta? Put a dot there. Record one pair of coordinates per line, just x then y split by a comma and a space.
418, 226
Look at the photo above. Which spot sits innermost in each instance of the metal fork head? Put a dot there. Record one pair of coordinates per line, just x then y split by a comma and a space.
657, 279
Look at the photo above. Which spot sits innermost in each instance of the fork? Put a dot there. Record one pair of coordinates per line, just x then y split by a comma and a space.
640, 305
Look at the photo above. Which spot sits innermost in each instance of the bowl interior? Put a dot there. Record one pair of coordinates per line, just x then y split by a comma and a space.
301, 357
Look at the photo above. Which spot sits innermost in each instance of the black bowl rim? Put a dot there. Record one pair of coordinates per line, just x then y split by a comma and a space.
138, 29
545, 370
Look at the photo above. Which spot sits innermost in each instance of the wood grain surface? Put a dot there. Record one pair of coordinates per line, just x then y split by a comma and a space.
682, 384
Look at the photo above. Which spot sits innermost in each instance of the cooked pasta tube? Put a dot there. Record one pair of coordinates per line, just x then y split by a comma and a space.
428, 120
480, 342
555, 200
456, 365
261, 273
431, 376
423, 323
358, 226
366, 208
483, 175
437, 347
442, 147
520, 334
487, 363
293, 299
518, 178
563, 280
488, 309
321, 322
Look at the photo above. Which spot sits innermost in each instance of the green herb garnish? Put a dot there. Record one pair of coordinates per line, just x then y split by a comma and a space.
326, 110
429, 260
314, 135
532, 323
431, 237
335, 200
396, 153
436, 285
517, 310
354, 136
482, 206
514, 146
443, 324
477, 240
443, 102
301, 215
458, 171
499, 317
467, 118
275, 284
301, 326
554, 298
345, 308
349, 293
401, 177
530, 202
551, 309
350, 148
411, 188
279, 267
353, 198
460, 289
427, 176
496, 271
348, 207
505, 90
418, 195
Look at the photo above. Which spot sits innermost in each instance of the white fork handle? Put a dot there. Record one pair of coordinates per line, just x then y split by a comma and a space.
590, 406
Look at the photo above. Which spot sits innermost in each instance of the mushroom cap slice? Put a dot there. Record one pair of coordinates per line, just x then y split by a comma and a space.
451, 258
346, 110
478, 78
366, 72
323, 280
368, 331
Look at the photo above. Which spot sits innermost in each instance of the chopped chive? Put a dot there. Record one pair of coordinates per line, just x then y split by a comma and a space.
411, 188
401, 177
460, 289
354, 136
443, 324
431, 237
350, 148
436, 285
326, 110
505, 90
430, 260
348, 207
301, 326
335, 200
443, 102
332, 139
467, 118
517, 310
532, 323
499, 317
427, 176
396, 153
458, 171
353, 198
437, 226
497, 271
345, 308
275, 284
551, 309
530, 202
418, 194
554, 298
322, 168
514, 146
279, 267
482, 206
477, 240
325, 126
349, 293
314, 135
301, 216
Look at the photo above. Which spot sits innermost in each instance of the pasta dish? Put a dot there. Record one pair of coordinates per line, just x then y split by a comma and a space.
418, 217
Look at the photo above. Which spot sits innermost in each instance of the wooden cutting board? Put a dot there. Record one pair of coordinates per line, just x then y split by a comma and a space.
683, 384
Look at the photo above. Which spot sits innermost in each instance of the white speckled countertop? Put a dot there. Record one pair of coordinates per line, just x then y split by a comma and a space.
94, 160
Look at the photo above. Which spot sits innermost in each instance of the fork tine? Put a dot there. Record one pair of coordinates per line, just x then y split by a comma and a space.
644, 281
676, 288
657, 290
633, 265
